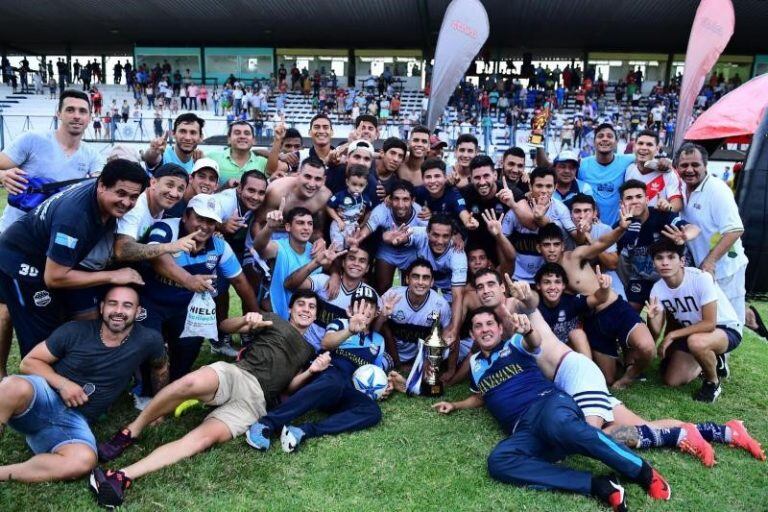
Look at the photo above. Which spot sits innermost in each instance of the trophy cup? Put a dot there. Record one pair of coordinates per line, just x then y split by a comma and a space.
431, 385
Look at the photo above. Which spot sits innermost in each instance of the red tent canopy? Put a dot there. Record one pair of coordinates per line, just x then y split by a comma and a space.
735, 116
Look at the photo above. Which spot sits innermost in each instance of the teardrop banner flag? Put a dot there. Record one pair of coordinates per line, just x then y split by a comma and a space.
711, 31
463, 33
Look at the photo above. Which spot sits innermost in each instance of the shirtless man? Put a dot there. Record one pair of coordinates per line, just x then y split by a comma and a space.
418, 146
614, 320
306, 189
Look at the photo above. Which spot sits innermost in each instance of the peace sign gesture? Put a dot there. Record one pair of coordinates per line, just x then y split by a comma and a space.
541, 206
653, 307
493, 223
674, 233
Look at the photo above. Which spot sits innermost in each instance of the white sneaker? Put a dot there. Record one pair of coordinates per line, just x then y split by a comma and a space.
141, 402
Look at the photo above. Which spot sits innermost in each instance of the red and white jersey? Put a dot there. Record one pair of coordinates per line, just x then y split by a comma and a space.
657, 184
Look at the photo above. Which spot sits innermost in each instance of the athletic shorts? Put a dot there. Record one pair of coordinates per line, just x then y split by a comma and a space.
36, 311
48, 423
611, 327
734, 340
638, 290
578, 376
82, 300
239, 399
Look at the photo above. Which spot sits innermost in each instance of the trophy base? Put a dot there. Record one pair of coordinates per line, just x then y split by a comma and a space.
536, 140
431, 390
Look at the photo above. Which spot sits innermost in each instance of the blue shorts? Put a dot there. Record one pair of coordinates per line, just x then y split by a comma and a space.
638, 290
396, 256
611, 327
36, 311
48, 423
734, 340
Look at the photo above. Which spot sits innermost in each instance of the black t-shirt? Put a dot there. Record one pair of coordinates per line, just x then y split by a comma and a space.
83, 358
64, 228
276, 355
476, 205
566, 316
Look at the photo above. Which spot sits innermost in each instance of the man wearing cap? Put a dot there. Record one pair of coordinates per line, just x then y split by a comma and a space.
418, 147
166, 188
566, 184
188, 133
359, 152
436, 147
203, 179
174, 278
238, 157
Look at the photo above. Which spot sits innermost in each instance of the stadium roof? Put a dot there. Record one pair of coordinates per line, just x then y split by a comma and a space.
114, 26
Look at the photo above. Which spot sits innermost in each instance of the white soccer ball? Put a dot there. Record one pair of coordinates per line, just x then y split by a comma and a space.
370, 380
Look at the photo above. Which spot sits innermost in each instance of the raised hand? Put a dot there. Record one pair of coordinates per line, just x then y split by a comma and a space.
520, 290
275, 217
359, 315
425, 213
159, 144
493, 223
255, 321
653, 308
125, 276
389, 301
186, 244
541, 206
663, 205
353, 239
603, 280
330, 255
625, 217
521, 323
674, 233
321, 363
280, 128
233, 224
318, 247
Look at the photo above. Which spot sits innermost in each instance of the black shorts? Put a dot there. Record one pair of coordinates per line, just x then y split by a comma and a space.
611, 327
35, 310
734, 340
638, 290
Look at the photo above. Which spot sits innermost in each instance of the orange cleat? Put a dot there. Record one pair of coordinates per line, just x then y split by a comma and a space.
697, 445
740, 438
659, 489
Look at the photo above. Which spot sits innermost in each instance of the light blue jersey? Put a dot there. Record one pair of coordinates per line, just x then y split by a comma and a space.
605, 181
287, 261
381, 217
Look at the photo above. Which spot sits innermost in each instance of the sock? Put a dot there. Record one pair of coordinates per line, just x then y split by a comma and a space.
650, 437
714, 432
601, 487
645, 476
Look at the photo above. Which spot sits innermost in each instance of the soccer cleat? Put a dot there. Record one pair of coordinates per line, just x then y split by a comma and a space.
109, 487
258, 437
740, 438
186, 405
110, 450
721, 366
290, 438
617, 499
696, 445
658, 488
224, 347
708, 392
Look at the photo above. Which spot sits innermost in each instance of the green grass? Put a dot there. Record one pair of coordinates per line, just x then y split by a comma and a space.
417, 460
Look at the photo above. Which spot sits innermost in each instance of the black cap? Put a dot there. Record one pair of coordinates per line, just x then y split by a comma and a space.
365, 292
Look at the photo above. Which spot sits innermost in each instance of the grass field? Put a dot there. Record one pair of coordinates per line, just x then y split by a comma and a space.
417, 460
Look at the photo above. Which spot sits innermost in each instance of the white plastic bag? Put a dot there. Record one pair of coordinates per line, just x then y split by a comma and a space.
201, 317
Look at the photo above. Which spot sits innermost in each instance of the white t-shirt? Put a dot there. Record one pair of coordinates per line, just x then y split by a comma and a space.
657, 184
711, 206
137, 221
697, 290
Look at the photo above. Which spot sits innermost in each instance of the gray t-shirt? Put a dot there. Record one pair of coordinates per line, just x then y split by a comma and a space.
83, 359
39, 155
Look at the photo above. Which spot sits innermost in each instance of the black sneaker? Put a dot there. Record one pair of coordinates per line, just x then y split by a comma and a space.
109, 487
723, 371
112, 449
708, 392
608, 490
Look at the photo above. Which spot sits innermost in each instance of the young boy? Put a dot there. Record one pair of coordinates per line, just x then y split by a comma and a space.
348, 208
563, 312
702, 325
352, 344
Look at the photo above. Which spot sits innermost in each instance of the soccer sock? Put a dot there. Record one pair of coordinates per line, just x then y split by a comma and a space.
601, 487
650, 437
714, 432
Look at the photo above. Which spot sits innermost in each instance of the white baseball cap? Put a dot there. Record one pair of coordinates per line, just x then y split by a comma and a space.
204, 163
205, 205
567, 156
360, 144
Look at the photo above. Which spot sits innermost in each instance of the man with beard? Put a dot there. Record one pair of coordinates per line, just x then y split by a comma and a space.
187, 134
418, 146
513, 168
202, 180
240, 393
60, 155
166, 188
604, 172
40, 253
238, 157
663, 186
306, 190
71, 379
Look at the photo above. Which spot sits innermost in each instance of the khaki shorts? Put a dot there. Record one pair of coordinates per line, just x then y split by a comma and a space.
239, 400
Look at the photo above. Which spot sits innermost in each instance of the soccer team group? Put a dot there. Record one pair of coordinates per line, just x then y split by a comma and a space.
537, 279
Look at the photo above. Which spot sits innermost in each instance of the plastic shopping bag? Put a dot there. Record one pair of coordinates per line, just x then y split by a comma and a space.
201, 317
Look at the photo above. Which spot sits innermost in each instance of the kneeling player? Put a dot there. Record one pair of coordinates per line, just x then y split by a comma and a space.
708, 327
351, 344
544, 424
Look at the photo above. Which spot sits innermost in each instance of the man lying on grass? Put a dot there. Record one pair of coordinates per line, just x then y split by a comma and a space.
241, 393
543, 423
71, 379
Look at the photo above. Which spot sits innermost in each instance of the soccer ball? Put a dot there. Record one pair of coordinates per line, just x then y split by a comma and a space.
370, 380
